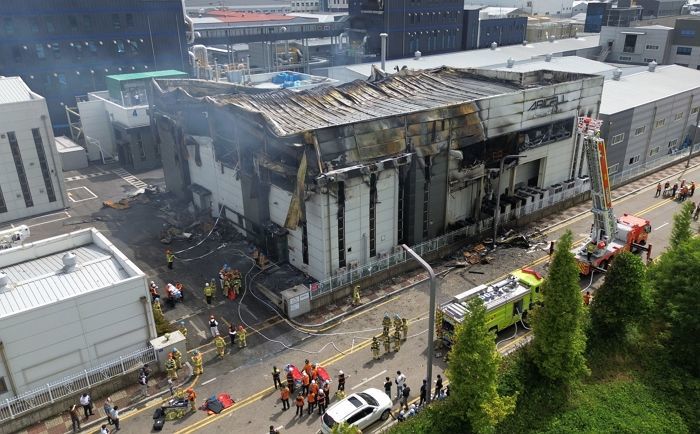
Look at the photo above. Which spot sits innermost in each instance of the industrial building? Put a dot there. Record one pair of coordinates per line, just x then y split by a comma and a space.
485, 25
66, 48
31, 178
533, 7
67, 304
335, 177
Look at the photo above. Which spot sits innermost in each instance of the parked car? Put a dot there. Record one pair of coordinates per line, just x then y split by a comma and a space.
359, 409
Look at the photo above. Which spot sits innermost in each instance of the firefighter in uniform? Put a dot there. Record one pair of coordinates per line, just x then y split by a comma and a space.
404, 328
220, 346
397, 340
170, 367
375, 348
177, 357
397, 323
192, 398
386, 324
197, 362
183, 329
356, 295
241, 337
387, 343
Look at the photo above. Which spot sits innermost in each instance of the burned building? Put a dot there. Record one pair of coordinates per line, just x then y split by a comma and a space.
335, 177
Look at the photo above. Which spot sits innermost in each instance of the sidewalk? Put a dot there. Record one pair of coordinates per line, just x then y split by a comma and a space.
129, 399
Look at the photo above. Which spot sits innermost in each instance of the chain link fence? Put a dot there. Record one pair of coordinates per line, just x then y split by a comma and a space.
51, 392
398, 256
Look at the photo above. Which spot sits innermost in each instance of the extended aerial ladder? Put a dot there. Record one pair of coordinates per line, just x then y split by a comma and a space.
609, 235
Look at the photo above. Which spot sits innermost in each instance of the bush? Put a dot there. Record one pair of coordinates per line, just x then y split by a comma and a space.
162, 325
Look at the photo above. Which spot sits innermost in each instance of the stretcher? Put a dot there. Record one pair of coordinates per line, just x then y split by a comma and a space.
296, 374
323, 374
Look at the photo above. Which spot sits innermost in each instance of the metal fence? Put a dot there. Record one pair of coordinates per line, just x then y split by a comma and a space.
51, 392
398, 256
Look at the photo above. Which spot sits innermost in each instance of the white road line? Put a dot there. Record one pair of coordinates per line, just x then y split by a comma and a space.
368, 379
199, 331
659, 227
251, 313
47, 222
208, 381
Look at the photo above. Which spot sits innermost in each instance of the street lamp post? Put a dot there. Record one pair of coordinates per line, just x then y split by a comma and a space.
431, 316
497, 210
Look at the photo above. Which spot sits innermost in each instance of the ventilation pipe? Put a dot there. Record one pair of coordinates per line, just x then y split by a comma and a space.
552, 38
510, 62
494, 45
652, 66
548, 57
4, 280
524, 42
617, 74
190, 24
69, 261
417, 54
383, 36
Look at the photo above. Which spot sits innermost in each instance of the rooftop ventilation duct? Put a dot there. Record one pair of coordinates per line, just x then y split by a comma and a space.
652, 66
510, 62
4, 280
552, 38
617, 74
417, 54
383, 36
494, 45
69, 261
548, 57
524, 42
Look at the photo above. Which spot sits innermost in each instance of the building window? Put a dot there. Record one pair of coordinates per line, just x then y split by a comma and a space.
116, 22
673, 143
43, 164
613, 169
9, 26
618, 138
341, 224
684, 51
695, 110
56, 50
129, 20
687, 33
19, 166
372, 215
73, 23
625, 58
654, 151
3, 208
652, 47
3, 385
678, 116
49, 25
17, 54
660, 123
639, 131
634, 159
34, 25
87, 22
649, 59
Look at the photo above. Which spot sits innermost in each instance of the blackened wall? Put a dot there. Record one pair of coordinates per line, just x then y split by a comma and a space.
65, 48
470, 29
503, 31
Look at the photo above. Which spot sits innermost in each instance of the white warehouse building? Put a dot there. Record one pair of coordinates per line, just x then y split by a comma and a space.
31, 178
67, 304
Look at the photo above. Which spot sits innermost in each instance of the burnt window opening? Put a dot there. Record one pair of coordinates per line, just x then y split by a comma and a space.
3, 205
39, 144
372, 215
399, 218
426, 196
19, 166
304, 243
341, 224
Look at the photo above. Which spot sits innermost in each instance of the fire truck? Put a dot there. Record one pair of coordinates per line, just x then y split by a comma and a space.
506, 302
609, 235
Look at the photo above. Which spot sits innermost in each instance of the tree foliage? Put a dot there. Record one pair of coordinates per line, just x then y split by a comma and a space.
162, 325
675, 279
559, 343
681, 225
473, 373
621, 302
345, 428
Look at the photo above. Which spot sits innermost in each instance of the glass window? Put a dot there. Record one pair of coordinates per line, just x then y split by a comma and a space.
49, 25
134, 47
634, 159
9, 26
119, 45
34, 25
56, 49
17, 54
660, 123
678, 116
617, 139
688, 33
19, 167
116, 22
684, 51
39, 145
73, 23
640, 131
613, 169
129, 20
87, 22
92, 47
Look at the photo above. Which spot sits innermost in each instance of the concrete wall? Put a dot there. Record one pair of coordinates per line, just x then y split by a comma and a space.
691, 60
21, 118
651, 44
96, 125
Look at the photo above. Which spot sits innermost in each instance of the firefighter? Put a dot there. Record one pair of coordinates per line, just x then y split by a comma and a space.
170, 367
177, 357
397, 340
241, 337
183, 329
153, 289
192, 398
197, 362
590, 249
397, 323
307, 367
170, 258
208, 292
220, 346
356, 295
587, 297
404, 328
375, 348
387, 343
386, 324
236, 283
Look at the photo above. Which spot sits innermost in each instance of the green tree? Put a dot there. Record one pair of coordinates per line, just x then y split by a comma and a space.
345, 428
162, 325
622, 300
559, 343
473, 373
681, 225
674, 279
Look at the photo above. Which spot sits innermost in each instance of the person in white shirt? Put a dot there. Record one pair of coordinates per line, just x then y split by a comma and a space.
400, 383
86, 402
104, 429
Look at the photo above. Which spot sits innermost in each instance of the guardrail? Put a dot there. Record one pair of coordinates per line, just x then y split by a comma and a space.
70, 385
399, 256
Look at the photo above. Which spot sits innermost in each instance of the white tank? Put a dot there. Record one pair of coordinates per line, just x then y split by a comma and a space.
200, 53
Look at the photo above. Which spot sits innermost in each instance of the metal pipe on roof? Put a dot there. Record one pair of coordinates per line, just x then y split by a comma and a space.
383, 36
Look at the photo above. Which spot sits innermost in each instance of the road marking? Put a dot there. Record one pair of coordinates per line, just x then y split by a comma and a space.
208, 381
70, 196
665, 224
250, 313
128, 177
85, 176
51, 221
199, 331
367, 379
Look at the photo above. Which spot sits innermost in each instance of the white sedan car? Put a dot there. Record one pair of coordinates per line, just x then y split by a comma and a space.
360, 409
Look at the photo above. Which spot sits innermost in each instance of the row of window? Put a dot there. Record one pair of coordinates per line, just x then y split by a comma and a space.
55, 23
75, 50
684, 51
433, 17
659, 123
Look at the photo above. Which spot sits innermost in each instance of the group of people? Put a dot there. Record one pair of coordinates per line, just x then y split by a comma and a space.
313, 389
680, 192
111, 411
400, 334
174, 293
230, 282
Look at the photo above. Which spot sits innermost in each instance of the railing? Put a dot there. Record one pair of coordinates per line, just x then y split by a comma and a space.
398, 256
51, 392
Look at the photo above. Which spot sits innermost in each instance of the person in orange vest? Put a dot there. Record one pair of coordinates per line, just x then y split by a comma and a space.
300, 405
314, 372
313, 387
284, 396
192, 397
311, 398
587, 297
305, 381
307, 367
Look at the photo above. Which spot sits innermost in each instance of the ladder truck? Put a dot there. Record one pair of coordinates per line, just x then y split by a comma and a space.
609, 235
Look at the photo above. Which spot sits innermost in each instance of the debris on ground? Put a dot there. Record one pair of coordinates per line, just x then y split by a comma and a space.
120, 204
514, 240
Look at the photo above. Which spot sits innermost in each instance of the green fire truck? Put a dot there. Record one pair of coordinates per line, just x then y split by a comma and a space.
506, 301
